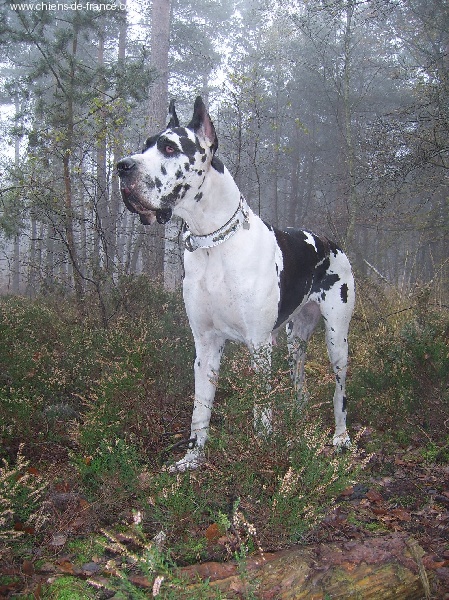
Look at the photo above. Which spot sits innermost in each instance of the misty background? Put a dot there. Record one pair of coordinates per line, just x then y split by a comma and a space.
331, 115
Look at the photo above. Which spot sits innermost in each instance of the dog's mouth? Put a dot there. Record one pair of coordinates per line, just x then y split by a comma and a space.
147, 215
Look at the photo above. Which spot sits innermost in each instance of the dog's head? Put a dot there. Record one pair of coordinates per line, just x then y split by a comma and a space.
171, 167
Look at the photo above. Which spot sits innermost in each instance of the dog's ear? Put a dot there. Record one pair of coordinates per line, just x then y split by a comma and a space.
202, 125
174, 121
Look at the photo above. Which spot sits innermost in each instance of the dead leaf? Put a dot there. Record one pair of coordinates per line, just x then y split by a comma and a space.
401, 514
141, 581
33, 471
377, 510
125, 538
37, 593
213, 571
27, 568
18, 526
90, 568
374, 496
213, 533
66, 567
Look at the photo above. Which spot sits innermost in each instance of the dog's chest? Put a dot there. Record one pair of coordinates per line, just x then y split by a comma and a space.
236, 293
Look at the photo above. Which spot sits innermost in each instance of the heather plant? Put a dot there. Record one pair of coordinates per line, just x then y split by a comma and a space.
283, 481
106, 410
140, 567
254, 490
402, 373
22, 498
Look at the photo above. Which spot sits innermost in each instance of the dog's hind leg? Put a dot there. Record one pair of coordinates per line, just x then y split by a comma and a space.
209, 349
337, 318
299, 329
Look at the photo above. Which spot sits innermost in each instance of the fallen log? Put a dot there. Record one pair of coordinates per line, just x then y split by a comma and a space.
381, 568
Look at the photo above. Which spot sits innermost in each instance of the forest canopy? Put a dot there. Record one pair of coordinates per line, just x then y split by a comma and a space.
331, 115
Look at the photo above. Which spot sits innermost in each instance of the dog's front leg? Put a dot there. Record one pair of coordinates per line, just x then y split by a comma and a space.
209, 350
261, 359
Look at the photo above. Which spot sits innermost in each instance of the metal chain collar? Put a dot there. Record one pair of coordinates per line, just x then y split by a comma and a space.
239, 218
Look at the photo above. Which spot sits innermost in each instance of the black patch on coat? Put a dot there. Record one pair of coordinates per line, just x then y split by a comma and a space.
305, 270
188, 147
163, 215
149, 182
163, 170
345, 402
344, 293
181, 132
217, 164
170, 199
199, 147
150, 142
324, 281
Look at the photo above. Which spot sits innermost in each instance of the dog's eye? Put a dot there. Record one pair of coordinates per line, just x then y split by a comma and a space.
167, 147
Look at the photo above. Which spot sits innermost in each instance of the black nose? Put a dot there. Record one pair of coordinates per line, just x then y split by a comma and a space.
125, 165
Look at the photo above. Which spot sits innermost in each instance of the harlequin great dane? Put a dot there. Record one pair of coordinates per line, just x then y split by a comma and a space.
243, 278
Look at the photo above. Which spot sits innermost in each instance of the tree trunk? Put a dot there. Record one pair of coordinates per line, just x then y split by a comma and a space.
103, 230
385, 568
16, 266
116, 198
68, 199
16, 261
352, 200
33, 264
154, 246
160, 45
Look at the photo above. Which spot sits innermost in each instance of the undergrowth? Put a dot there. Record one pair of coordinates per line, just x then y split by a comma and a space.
102, 411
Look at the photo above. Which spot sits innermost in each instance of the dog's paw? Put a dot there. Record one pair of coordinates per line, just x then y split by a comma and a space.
341, 442
191, 461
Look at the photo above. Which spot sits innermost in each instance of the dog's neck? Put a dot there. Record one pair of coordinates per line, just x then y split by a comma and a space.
219, 200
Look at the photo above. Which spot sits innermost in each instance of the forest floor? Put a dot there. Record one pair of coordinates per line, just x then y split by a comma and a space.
89, 416
399, 492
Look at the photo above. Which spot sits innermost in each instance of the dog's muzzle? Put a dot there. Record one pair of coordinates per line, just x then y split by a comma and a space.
125, 168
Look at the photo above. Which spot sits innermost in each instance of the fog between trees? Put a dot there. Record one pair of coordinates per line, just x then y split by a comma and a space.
332, 116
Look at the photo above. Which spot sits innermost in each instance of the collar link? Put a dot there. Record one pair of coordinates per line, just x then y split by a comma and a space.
239, 219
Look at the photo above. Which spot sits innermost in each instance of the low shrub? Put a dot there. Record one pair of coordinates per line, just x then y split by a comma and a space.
404, 382
113, 405
22, 493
